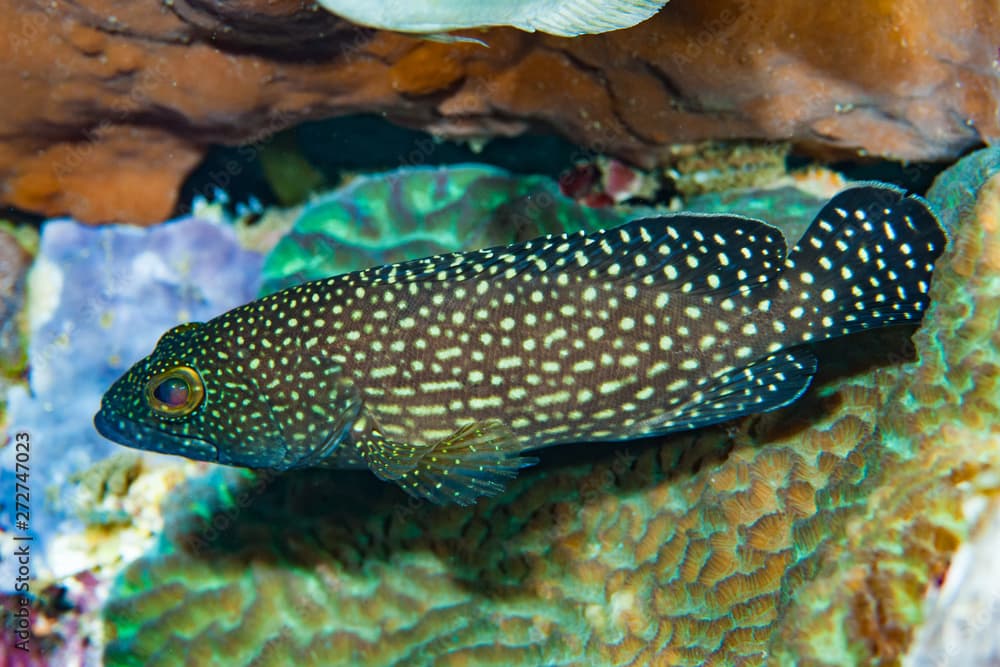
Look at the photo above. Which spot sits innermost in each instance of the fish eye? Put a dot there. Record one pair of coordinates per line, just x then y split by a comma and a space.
176, 392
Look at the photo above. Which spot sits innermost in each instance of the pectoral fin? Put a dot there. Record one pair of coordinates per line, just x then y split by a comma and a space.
472, 462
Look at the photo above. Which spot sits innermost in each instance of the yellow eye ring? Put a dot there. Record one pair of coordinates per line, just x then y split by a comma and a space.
176, 392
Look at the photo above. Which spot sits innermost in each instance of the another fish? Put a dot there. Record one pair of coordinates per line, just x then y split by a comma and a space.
437, 373
556, 17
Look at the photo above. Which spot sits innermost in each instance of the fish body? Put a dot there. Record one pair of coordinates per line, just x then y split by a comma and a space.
439, 372
558, 17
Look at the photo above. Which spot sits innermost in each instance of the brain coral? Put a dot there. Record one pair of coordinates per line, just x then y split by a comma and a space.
807, 535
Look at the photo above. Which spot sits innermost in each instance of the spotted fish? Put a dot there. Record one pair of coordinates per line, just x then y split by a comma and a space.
438, 373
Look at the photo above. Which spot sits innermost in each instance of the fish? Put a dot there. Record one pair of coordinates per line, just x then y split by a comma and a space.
442, 374
565, 18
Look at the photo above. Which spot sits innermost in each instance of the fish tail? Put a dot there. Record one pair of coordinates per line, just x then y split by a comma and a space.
865, 262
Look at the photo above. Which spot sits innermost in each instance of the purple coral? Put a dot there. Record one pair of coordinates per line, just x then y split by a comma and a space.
98, 300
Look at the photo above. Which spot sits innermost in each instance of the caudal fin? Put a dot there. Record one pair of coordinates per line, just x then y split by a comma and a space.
865, 262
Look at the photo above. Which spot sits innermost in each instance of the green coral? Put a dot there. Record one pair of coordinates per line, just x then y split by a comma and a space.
804, 535
18, 245
421, 211
786, 206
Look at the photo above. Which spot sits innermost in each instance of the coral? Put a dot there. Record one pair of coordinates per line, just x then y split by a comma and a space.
808, 535
56, 625
420, 211
116, 102
290, 175
963, 613
605, 182
720, 167
15, 257
955, 192
19, 648
97, 300
786, 205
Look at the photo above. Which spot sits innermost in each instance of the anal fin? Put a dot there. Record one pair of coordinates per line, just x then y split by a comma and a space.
472, 462
767, 384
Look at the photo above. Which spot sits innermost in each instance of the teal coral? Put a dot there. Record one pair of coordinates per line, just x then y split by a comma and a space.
805, 535
421, 211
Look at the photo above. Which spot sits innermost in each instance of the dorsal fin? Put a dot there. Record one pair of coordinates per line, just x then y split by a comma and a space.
866, 261
688, 252
685, 252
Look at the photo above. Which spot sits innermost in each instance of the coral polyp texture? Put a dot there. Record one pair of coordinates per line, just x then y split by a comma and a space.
939, 457
807, 535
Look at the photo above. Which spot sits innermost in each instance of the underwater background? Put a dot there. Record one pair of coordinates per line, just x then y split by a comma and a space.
165, 162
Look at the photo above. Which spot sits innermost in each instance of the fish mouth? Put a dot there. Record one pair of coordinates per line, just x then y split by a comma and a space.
156, 441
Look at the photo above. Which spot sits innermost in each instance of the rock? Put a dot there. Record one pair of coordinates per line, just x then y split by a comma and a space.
116, 102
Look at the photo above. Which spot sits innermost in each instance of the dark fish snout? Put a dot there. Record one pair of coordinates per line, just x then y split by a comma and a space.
106, 429
154, 441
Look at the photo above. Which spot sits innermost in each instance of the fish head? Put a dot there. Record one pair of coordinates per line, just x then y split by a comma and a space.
188, 398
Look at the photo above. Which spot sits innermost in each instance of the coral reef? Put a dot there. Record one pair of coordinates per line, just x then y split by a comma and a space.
420, 211
709, 168
809, 535
606, 182
786, 204
16, 650
117, 101
64, 622
97, 300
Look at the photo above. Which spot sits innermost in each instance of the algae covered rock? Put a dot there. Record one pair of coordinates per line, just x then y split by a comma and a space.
808, 534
